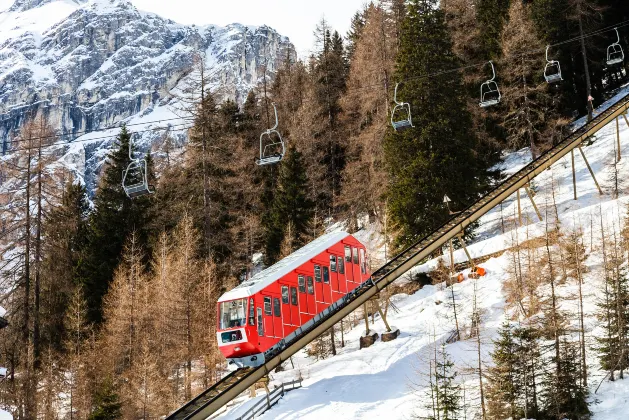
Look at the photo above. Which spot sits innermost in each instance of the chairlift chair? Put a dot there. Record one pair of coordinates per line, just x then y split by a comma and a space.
489, 91
402, 109
272, 147
135, 177
552, 72
615, 53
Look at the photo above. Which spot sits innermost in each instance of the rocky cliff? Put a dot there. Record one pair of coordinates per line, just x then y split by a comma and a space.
90, 64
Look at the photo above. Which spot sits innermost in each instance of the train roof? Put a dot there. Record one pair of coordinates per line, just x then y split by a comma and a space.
283, 267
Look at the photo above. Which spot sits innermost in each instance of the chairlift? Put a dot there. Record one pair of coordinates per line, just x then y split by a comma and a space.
489, 91
135, 177
272, 148
615, 53
552, 72
403, 109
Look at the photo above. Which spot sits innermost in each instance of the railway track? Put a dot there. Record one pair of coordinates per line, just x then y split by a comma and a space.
232, 385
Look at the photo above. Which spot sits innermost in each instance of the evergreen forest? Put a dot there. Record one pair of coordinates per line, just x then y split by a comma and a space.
111, 302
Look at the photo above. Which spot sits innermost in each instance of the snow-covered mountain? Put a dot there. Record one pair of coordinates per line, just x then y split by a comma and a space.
89, 64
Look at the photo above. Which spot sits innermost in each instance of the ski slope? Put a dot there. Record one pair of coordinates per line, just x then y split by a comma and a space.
387, 380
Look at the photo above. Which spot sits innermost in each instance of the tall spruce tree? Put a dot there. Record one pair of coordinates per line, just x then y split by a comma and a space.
436, 157
291, 206
491, 16
114, 217
446, 390
502, 388
66, 233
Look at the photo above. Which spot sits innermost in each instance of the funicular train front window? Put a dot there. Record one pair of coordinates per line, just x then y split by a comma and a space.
233, 314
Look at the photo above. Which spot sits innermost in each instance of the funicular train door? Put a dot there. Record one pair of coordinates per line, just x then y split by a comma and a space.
290, 307
340, 268
349, 268
306, 308
272, 314
319, 288
334, 279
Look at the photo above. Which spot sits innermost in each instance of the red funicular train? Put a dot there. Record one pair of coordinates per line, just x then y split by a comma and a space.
276, 302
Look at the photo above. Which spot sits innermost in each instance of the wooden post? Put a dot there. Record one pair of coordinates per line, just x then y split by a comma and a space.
618, 139
519, 209
451, 256
469, 257
600, 191
528, 192
574, 175
366, 317
384, 318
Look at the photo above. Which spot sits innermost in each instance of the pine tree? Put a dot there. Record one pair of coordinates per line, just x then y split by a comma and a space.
435, 157
564, 396
447, 391
291, 206
78, 331
529, 370
65, 230
491, 16
107, 405
503, 390
529, 106
367, 113
114, 217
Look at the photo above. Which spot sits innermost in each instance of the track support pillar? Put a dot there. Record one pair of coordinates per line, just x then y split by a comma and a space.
530, 194
519, 209
574, 175
618, 139
600, 191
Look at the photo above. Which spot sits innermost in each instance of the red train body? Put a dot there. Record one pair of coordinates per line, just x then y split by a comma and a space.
257, 314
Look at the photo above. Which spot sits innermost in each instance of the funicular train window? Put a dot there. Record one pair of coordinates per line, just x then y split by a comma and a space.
333, 263
317, 270
363, 261
310, 286
260, 324
341, 265
348, 254
293, 296
276, 307
355, 252
233, 314
326, 275
285, 295
252, 315
267, 306
231, 336
302, 283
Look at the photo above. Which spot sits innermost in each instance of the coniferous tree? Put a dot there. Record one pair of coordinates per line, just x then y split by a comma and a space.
66, 233
107, 405
291, 207
502, 388
447, 391
491, 16
530, 117
114, 217
435, 157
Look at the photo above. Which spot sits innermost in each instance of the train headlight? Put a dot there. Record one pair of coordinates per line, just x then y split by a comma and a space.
237, 349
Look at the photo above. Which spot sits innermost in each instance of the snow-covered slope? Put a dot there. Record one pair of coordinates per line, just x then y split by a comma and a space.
89, 64
388, 380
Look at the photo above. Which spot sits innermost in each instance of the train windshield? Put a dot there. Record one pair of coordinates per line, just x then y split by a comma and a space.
233, 314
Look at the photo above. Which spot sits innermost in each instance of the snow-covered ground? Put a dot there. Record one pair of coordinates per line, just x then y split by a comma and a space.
387, 380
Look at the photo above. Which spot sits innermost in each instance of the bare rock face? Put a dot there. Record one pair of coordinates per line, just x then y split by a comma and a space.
90, 64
